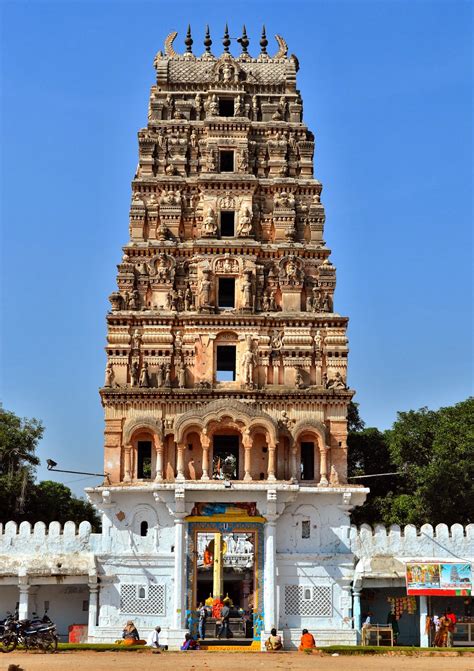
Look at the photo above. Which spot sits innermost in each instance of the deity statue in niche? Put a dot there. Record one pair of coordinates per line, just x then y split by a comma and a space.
144, 376
109, 375
134, 374
209, 226
205, 289
244, 227
247, 289
248, 363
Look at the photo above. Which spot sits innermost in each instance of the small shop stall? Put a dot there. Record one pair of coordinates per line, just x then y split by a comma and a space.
446, 586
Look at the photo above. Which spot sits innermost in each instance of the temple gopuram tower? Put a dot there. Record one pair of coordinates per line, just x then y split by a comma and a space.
225, 394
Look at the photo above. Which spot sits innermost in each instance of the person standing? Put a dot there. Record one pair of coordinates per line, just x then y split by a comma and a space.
225, 617
202, 621
451, 626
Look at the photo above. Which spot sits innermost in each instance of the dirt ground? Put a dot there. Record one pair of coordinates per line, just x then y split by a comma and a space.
215, 661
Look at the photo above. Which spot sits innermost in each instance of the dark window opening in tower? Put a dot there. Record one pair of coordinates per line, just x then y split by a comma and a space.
226, 298
226, 107
226, 363
143, 528
144, 460
226, 160
307, 461
227, 224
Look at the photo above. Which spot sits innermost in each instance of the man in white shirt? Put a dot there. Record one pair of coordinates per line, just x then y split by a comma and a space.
153, 640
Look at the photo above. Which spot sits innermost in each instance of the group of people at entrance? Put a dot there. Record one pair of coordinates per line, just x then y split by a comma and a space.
443, 628
219, 609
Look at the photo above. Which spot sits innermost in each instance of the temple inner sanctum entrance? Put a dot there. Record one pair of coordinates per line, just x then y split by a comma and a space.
225, 575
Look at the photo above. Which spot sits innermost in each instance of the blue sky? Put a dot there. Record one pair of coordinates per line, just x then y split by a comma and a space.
387, 91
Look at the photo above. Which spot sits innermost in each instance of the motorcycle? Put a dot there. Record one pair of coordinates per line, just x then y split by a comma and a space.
8, 635
35, 633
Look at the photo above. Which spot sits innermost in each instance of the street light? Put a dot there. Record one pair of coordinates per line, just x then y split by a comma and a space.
51, 466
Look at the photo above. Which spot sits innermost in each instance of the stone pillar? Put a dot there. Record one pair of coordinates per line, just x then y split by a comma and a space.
271, 461
24, 588
293, 463
323, 480
206, 443
127, 463
356, 613
179, 590
180, 462
93, 605
159, 449
247, 443
423, 607
269, 588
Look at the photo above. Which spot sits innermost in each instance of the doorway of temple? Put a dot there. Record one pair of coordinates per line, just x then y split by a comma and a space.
225, 457
225, 574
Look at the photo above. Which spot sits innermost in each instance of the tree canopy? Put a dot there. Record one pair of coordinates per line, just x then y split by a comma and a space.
21, 498
434, 453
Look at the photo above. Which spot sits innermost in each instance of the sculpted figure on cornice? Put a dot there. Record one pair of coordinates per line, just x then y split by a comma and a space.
336, 382
162, 267
227, 202
134, 374
144, 376
291, 272
205, 289
244, 226
248, 364
247, 292
213, 105
109, 375
171, 197
226, 70
228, 265
209, 225
284, 200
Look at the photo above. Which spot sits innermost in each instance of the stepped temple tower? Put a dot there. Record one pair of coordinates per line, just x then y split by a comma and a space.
225, 392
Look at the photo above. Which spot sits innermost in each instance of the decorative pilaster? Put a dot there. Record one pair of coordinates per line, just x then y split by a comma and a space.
206, 444
24, 587
93, 604
424, 636
180, 462
179, 592
323, 480
271, 462
356, 612
247, 444
127, 463
269, 589
159, 460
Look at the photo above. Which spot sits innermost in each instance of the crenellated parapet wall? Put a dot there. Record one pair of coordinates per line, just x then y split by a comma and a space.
440, 542
40, 539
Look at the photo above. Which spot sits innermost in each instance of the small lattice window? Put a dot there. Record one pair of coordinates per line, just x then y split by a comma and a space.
305, 529
308, 601
132, 602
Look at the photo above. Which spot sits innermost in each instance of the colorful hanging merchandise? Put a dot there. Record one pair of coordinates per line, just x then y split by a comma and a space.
399, 605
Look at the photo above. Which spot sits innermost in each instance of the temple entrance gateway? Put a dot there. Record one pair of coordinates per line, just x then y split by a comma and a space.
225, 566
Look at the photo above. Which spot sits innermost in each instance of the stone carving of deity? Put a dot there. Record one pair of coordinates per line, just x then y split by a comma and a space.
248, 364
337, 382
318, 341
160, 375
299, 384
136, 339
227, 73
205, 289
198, 105
134, 373
144, 376
244, 227
109, 375
209, 226
239, 107
247, 289
188, 299
180, 374
213, 106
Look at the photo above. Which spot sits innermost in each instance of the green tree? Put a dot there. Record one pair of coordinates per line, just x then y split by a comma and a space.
21, 499
435, 450
434, 453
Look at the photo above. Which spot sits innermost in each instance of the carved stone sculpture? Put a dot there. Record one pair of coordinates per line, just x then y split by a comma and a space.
334, 476
337, 382
247, 290
248, 363
205, 289
109, 375
209, 226
160, 375
244, 227
144, 376
134, 374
